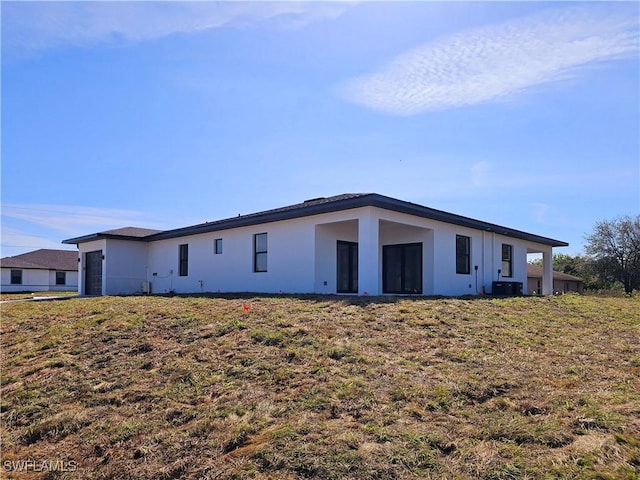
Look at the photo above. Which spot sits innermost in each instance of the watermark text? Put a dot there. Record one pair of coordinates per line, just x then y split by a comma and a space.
31, 465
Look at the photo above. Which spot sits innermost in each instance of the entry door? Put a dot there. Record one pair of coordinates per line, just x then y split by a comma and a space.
402, 268
93, 273
347, 267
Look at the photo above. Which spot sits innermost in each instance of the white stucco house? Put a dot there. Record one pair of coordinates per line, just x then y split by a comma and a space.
366, 244
40, 270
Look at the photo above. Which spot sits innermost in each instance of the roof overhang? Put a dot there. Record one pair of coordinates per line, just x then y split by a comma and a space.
328, 205
101, 236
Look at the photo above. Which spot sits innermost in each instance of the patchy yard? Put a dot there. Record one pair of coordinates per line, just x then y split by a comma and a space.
7, 297
321, 387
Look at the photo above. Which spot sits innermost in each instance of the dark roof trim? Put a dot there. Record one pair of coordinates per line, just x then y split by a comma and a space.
329, 205
439, 215
306, 209
99, 236
126, 233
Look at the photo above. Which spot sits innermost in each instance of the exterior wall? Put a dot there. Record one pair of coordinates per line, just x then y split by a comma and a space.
301, 256
290, 260
439, 254
32, 280
70, 281
83, 249
566, 286
326, 238
125, 268
519, 261
38, 280
393, 233
534, 284
559, 286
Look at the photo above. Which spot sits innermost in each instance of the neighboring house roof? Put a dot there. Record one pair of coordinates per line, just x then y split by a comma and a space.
43, 259
535, 271
321, 205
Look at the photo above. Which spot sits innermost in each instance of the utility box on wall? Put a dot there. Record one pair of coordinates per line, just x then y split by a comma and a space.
145, 287
506, 288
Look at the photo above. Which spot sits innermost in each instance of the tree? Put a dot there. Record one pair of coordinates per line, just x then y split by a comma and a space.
615, 248
572, 265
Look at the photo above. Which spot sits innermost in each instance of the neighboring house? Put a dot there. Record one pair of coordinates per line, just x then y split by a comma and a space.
562, 282
40, 270
365, 244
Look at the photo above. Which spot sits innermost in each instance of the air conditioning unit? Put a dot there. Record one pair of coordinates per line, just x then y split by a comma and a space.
506, 288
145, 287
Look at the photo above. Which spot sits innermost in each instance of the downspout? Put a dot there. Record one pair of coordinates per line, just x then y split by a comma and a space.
103, 265
483, 264
81, 286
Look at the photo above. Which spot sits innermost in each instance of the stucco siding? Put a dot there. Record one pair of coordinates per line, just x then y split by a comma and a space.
84, 248
125, 267
518, 262
559, 286
326, 241
70, 281
32, 280
439, 254
38, 280
290, 260
301, 256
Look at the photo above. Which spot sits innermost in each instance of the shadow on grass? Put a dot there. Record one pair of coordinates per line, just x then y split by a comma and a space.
358, 300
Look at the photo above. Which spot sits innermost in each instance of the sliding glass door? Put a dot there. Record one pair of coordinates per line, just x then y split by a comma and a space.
402, 268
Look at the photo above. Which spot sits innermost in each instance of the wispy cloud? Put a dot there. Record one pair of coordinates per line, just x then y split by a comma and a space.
29, 27
495, 62
70, 219
27, 227
15, 241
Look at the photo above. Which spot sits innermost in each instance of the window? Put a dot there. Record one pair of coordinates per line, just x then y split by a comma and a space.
463, 254
217, 246
260, 252
184, 260
507, 260
61, 278
16, 277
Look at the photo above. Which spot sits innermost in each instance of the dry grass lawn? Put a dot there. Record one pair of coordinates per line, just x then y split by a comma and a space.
321, 387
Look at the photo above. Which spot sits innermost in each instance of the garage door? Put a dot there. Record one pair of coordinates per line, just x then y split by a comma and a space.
93, 273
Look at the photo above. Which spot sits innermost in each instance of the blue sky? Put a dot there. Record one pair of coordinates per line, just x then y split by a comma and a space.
167, 114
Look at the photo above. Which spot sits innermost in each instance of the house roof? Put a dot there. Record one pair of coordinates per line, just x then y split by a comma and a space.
318, 206
43, 259
535, 271
125, 233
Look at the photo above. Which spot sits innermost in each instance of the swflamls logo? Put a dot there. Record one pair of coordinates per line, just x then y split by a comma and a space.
31, 465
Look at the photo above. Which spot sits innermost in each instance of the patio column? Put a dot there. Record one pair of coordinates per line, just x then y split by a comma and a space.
368, 254
547, 272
